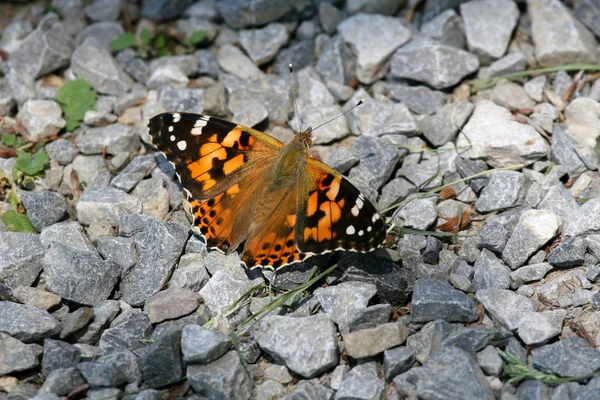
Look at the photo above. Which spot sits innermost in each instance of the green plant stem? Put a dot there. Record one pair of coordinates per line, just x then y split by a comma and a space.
480, 84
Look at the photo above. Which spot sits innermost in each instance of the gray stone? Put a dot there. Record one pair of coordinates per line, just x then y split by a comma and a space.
535, 87
559, 200
368, 317
474, 339
534, 229
45, 50
75, 321
452, 372
200, 345
300, 55
160, 10
533, 390
233, 61
378, 159
372, 56
505, 190
306, 345
240, 14
125, 362
510, 64
563, 147
397, 361
330, 17
103, 10
103, 314
341, 159
569, 253
162, 364
167, 75
588, 12
394, 191
35, 296
20, 258
119, 250
419, 213
16, 356
447, 28
70, 234
361, 383
129, 331
434, 299
98, 374
336, 62
171, 303
159, 245
14, 33
338, 301
104, 394
58, 354
504, 306
263, 44
537, 328
224, 378
372, 341
62, 381
512, 96
491, 135
419, 60
90, 170
105, 32
92, 62
490, 272
490, 361
62, 151
584, 221
41, 118
44, 208
558, 37
529, 273
27, 323
106, 204
385, 7
488, 26
569, 357
419, 99
190, 273
80, 276
187, 64
222, 290
135, 171
494, 237
112, 139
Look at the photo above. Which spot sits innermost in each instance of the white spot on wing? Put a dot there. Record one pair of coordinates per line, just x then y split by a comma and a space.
350, 230
360, 202
170, 129
182, 145
176, 117
172, 138
375, 217
369, 229
355, 211
361, 232
200, 122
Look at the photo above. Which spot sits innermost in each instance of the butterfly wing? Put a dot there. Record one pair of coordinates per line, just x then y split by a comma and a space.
210, 155
334, 214
220, 164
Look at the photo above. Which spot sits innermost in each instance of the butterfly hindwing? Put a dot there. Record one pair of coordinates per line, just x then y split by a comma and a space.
210, 154
336, 215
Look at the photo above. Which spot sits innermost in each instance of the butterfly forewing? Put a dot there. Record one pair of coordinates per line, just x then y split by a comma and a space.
210, 154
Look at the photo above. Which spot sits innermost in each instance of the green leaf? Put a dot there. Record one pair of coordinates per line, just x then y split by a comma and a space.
146, 36
196, 37
160, 41
16, 222
76, 97
31, 165
597, 147
10, 140
161, 52
13, 199
123, 41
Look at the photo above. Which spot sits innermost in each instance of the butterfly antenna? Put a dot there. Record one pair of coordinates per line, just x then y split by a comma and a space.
294, 96
341, 115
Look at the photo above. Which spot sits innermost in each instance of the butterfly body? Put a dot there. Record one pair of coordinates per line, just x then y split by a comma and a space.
248, 189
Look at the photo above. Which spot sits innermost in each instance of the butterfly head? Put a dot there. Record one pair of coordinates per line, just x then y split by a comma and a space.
303, 140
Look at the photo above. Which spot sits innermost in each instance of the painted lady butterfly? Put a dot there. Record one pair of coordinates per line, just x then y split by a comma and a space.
246, 187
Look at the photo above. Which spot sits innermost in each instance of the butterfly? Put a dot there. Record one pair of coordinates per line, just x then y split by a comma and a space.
246, 188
